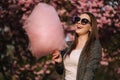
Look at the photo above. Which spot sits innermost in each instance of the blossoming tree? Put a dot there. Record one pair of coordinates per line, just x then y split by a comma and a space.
16, 61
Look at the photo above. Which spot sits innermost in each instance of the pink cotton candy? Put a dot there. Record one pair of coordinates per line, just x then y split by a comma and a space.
44, 30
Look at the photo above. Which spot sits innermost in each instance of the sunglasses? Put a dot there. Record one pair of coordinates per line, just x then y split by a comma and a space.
84, 21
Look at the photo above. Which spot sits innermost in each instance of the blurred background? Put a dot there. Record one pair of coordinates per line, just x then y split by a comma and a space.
17, 62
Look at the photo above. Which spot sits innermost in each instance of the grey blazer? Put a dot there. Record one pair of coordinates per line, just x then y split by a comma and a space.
85, 70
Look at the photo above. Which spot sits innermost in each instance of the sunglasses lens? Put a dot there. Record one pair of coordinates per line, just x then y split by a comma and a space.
84, 21
76, 19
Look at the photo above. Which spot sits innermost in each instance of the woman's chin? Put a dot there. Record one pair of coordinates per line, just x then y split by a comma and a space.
78, 31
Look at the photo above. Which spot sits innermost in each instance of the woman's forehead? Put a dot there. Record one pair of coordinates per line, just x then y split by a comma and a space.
84, 16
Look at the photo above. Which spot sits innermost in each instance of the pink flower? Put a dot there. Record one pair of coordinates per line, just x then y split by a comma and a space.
105, 63
108, 8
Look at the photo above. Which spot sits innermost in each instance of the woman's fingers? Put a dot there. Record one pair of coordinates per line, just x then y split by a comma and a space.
56, 57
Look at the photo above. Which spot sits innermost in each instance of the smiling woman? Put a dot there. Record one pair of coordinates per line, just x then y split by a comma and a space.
80, 60
83, 25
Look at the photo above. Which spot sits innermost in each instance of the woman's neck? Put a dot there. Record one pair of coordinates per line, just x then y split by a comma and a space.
81, 41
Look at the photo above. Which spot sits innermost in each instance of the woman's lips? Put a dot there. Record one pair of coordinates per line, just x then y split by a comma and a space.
79, 27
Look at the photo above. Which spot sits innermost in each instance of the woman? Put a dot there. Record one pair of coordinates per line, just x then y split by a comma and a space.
81, 59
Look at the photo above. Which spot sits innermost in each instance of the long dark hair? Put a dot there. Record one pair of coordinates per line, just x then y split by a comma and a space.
93, 35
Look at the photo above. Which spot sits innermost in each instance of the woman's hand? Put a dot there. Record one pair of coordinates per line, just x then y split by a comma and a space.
56, 57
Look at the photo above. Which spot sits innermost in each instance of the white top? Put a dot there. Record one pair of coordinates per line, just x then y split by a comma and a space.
71, 63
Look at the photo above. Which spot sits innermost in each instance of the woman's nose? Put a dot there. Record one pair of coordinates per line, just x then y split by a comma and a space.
78, 24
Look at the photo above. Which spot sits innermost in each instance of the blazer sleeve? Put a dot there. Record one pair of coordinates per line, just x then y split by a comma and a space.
59, 68
93, 64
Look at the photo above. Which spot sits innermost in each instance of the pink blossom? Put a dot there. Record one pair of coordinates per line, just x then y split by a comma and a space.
117, 25
118, 70
105, 63
103, 20
61, 11
108, 8
100, 3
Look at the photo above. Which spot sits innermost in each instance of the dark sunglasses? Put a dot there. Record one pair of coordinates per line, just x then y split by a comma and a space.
84, 21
